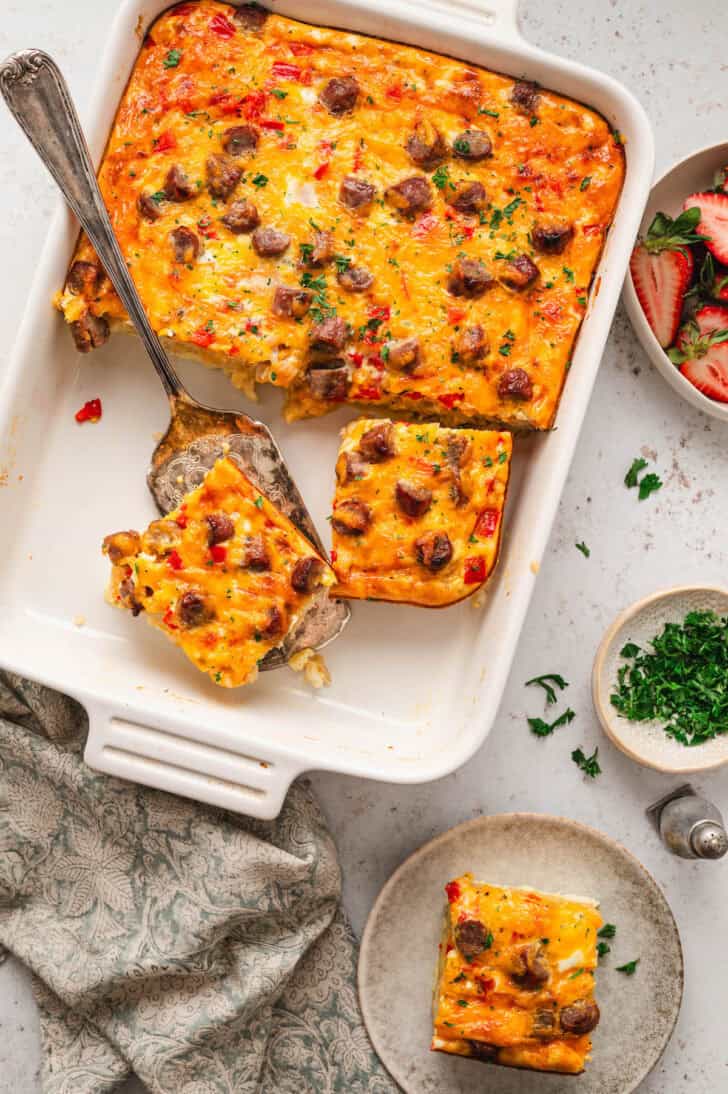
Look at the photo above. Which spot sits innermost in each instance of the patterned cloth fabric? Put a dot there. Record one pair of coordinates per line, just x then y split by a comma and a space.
204, 951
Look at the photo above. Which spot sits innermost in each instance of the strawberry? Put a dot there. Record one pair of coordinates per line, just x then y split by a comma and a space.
713, 224
661, 267
702, 352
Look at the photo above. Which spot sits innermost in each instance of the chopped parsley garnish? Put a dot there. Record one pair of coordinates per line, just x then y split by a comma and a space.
172, 59
441, 177
259, 502
306, 250
638, 464
648, 484
588, 764
510, 335
462, 146
682, 682
630, 968
502, 458
218, 677
533, 121
495, 219
505, 349
511, 207
549, 682
581, 300
583, 548
462, 1002
545, 729
259, 180
603, 948
342, 263
607, 931
488, 941
585, 183
490, 113
488, 461
578, 972
278, 93
460, 976
568, 274
158, 197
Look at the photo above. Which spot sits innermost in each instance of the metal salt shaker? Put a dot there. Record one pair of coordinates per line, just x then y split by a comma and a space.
689, 825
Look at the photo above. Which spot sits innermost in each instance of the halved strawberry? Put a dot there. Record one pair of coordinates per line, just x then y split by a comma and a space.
661, 267
713, 223
702, 352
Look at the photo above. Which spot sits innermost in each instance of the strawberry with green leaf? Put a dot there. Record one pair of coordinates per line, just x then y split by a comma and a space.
661, 267
701, 352
713, 223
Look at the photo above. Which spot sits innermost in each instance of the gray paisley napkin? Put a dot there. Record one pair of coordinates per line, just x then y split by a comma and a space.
204, 951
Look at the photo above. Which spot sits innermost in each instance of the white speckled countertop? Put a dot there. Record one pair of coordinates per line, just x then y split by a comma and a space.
675, 63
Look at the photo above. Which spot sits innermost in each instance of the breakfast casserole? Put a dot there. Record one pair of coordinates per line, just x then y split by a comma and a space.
225, 576
350, 219
516, 977
418, 510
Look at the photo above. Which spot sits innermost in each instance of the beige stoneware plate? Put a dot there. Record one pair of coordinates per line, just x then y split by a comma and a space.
646, 742
688, 176
399, 954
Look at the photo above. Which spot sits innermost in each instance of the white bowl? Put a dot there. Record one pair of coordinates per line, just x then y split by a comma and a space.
689, 175
647, 742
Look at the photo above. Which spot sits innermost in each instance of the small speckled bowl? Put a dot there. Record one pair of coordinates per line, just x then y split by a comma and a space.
646, 742
689, 175
398, 958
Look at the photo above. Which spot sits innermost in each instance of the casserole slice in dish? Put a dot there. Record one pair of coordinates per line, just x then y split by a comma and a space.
418, 510
351, 219
225, 576
516, 977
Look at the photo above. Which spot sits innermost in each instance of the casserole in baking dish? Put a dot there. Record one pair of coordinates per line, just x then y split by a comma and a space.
351, 219
418, 511
516, 977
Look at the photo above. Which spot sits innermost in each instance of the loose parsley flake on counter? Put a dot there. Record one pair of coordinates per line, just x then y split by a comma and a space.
630, 967
545, 729
607, 931
583, 548
603, 948
588, 764
681, 682
549, 681
648, 484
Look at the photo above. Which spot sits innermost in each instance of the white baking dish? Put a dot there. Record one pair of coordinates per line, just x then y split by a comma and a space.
415, 692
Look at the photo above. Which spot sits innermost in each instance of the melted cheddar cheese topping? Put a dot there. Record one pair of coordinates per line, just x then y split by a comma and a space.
225, 575
418, 511
351, 219
516, 977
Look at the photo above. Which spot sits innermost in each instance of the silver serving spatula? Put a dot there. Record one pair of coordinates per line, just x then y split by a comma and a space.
40, 101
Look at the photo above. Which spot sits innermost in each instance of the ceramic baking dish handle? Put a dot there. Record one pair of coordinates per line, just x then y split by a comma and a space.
174, 755
500, 15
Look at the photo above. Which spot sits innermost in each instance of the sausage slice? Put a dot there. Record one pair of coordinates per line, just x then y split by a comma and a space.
433, 550
469, 277
194, 609
410, 196
148, 208
377, 443
404, 355
529, 967
177, 186
355, 279
473, 145
519, 273
240, 139
290, 303
355, 193
185, 244
83, 277
255, 555
468, 197
220, 527
525, 97
580, 1017
426, 145
471, 345
320, 251
330, 334
413, 500
472, 938
242, 216
329, 384
223, 175
306, 573
351, 517
552, 238
268, 242
251, 17
515, 384
89, 332
339, 95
